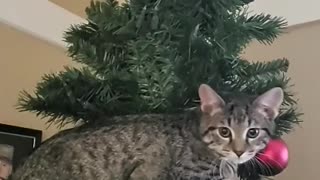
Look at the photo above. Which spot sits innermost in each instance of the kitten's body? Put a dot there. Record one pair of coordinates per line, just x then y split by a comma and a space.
189, 146
144, 147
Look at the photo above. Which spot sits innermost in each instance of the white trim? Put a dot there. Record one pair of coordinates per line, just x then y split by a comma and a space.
40, 18
24, 136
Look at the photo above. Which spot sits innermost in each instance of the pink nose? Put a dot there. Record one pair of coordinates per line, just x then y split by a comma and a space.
238, 153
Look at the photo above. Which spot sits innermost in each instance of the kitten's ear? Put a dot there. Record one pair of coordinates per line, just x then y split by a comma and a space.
269, 103
211, 102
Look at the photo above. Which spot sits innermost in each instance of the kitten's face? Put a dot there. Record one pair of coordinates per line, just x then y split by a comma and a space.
236, 135
238, 131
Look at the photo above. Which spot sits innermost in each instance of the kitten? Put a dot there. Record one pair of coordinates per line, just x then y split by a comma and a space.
207, 143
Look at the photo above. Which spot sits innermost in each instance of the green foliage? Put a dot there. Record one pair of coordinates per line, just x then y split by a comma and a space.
150, 56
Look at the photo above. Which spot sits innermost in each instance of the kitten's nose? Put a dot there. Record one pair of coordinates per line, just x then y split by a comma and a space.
238, 153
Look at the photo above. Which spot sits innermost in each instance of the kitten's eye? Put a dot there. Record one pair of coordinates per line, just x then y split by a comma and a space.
253, 133
224, 132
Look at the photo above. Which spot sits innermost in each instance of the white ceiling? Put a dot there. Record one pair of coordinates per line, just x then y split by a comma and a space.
40, 18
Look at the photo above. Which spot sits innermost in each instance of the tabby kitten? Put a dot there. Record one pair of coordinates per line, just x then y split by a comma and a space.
207, 143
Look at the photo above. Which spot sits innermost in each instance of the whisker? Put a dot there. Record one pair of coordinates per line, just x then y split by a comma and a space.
246, 165
271, 159
220, 168
258, 164
261, 166
252, 163
215, 166
266, 164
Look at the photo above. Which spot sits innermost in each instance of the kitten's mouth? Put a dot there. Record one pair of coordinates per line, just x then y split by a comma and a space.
237, 160
248, 158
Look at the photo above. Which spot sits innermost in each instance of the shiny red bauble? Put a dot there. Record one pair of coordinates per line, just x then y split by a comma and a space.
274, 158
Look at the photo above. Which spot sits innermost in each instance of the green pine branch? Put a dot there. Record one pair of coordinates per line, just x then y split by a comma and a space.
102, 42
261, 69
104, 11
289, 117
100, 51
79, 94
243, 29
264, 28
150, 62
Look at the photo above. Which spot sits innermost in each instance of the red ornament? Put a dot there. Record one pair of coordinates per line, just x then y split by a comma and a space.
274, 158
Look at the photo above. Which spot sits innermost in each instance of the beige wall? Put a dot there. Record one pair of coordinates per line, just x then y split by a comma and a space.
301, 46
23, 60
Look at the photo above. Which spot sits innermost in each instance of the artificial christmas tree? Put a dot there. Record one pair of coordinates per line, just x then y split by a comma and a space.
150, 56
